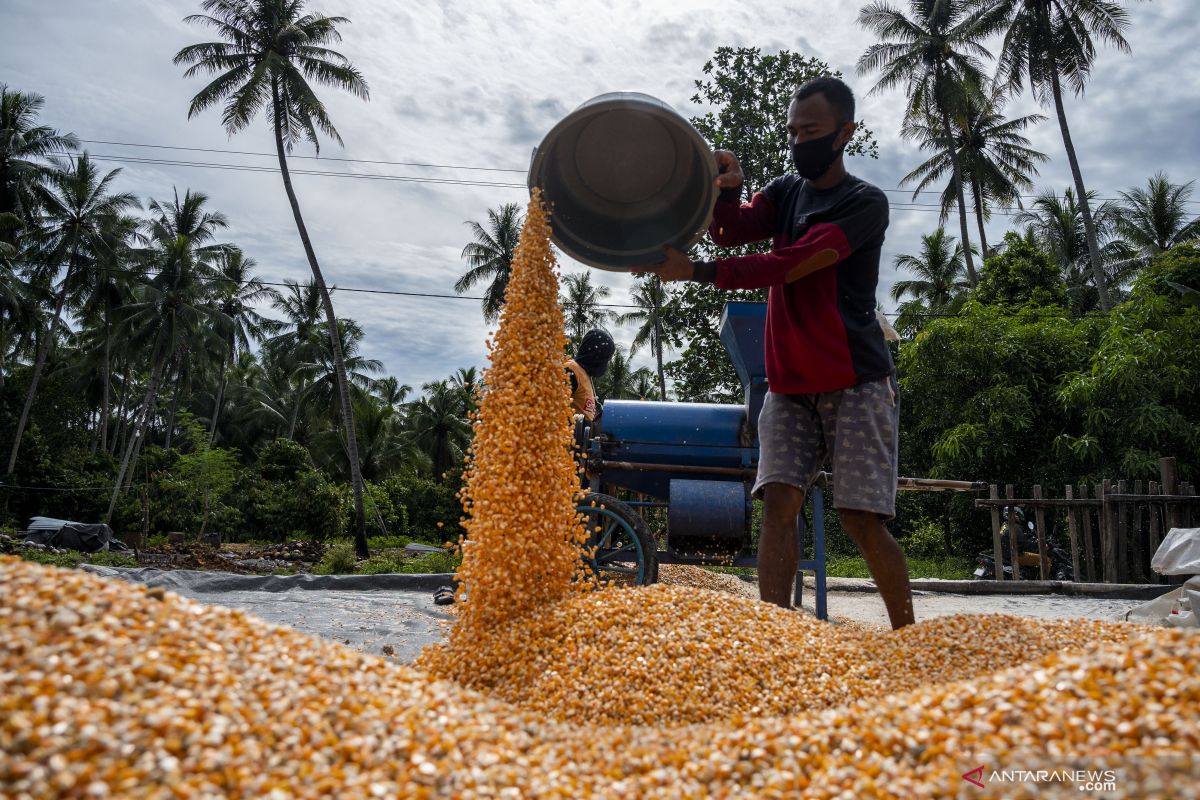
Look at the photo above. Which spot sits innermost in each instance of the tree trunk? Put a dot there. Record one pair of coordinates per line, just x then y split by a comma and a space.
972, 277
212, 430
173, 408
39, 364
295, 416
360, 526
662, 378
1085, 209
983, 245
106, 377
138, 429
118, 441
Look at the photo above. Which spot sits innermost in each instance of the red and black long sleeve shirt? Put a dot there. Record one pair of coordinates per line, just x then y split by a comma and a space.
822, 271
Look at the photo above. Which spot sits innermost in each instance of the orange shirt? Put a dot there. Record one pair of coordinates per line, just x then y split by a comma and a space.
584, 397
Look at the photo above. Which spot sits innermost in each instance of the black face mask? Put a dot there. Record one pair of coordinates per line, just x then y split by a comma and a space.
813, 158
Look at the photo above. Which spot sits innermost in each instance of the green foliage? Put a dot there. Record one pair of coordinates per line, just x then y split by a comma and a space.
942, 568
72, 559
391, 542
978, 401
196, 490
380, 508
286, 495
1021, 274
1137, 395
749, 93
427, 503
924, 540
339, 559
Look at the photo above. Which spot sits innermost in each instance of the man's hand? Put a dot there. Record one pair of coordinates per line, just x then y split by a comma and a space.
676, 267
730, 170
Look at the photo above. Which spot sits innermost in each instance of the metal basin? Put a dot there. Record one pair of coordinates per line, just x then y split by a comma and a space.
624, 175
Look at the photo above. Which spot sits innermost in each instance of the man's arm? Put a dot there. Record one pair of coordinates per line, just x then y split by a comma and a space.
734, 222
823, 245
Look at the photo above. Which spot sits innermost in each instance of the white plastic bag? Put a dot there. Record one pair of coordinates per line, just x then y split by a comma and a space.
1179, 553
1176, 609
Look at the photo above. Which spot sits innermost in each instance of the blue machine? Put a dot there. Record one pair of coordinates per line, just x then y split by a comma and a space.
699, 461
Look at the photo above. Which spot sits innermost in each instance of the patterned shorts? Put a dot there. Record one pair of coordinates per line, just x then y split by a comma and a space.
857, 430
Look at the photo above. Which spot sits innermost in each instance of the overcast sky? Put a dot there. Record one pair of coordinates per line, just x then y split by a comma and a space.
478, 84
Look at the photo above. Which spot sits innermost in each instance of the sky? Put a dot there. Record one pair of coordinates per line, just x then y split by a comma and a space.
478, 84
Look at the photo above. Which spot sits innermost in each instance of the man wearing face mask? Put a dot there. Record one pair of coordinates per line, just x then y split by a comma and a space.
831, 378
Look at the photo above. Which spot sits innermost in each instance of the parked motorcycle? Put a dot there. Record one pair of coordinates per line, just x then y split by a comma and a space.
1028, 558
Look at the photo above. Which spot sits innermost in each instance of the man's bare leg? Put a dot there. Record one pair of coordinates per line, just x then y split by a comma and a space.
778, 547
885, 559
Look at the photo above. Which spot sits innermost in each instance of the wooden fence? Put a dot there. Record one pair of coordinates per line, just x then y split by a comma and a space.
1113, 533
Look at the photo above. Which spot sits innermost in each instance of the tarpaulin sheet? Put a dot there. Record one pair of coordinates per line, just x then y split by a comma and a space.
366, 612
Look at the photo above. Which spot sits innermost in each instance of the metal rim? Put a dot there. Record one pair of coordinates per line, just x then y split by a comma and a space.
658, 109
605, 557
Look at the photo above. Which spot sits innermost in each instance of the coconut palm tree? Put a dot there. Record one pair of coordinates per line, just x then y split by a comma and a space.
295, 339
467, 382
617, 381
651, 298
322, 374
936, 53
582, 305
489, 256
1058, 224
188, 225
644, 386
938, 286
238, 292
391, 392
1051, 42
170, 312
992, 150
440, 427
24, 146
1156, 218
112, 286
78, 227
271, 51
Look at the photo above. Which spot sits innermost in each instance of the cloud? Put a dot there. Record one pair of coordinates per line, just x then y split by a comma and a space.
478, 85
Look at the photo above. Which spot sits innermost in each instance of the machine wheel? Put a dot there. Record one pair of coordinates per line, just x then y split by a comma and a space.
624, 550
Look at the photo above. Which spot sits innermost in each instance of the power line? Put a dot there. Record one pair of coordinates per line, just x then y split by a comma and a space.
410, 164
313, 158
900, 206
323, 173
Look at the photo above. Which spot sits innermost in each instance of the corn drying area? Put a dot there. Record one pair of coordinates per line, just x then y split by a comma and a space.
549, 685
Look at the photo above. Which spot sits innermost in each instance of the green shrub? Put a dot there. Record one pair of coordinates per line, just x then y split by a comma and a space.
924, 540
111, 559
427, 503
285, 495
380, 565
339, 559
432, 562
388, 542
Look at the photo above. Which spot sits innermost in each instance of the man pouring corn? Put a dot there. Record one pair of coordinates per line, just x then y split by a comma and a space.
832, 385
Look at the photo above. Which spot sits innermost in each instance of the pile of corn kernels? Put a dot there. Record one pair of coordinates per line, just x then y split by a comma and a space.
108, 690
668, 655
699, 578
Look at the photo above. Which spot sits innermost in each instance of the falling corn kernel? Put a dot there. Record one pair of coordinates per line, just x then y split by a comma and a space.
523, 542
